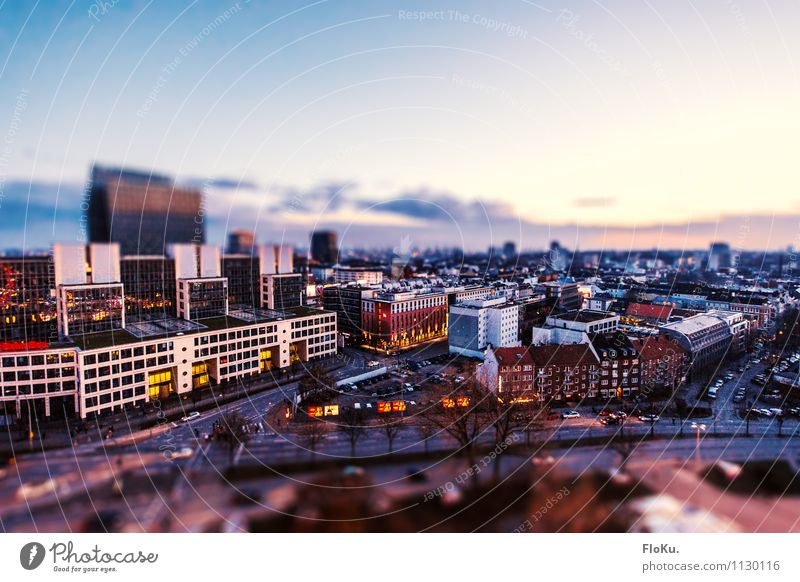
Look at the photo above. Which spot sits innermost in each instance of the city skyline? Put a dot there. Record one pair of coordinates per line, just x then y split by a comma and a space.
532, 121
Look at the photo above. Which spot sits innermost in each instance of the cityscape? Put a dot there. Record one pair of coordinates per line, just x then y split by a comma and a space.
191, 347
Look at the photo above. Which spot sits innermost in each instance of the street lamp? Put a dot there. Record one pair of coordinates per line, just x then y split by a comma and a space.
698, 428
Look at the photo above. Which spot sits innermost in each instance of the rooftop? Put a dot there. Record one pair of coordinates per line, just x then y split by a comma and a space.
694, 324
584, 316
164, 329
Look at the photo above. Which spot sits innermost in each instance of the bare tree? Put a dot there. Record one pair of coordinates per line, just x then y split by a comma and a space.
426, 429
311, 432
232, 432
317, 386
391, 428
352, 424
461, 411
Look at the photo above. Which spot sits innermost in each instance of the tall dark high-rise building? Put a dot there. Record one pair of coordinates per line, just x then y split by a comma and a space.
143, 212
719, 256
241, 242
324, 248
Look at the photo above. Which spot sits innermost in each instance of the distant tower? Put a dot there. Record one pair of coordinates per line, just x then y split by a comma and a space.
241, 242
719, 256
142, 211
509, 249
324, 248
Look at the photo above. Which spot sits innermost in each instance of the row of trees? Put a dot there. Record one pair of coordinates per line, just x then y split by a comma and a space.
465, 412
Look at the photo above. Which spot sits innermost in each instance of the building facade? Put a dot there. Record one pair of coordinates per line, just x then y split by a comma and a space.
474, 325
27, 310
393, 320
363, 276
324, 248
150, 287
101, 362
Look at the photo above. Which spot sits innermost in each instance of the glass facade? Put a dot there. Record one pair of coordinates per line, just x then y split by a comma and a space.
93, 309
207, 299
27, 311
150, 288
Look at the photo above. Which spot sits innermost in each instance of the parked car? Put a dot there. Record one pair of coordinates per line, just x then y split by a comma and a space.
190, 416
570, 414
648, 417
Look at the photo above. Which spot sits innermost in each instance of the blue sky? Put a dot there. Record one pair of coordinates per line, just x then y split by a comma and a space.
613, 123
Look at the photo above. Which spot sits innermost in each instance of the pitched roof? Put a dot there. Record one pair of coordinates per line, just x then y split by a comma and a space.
567, 355
657, 346
659, 312
512, 356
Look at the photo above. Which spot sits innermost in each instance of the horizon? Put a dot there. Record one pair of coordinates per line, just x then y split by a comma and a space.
508, 122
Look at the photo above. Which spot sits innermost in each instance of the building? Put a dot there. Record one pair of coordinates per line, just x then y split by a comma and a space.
241, 242
542, 336
104, 363
88, 288
705, 337
281, 288
150, 287
508, 372
460, 293
282, 291
324, 248
739, 327
719, 256
243, 272
27, 311
663, 363
565, 372
541, 373
565, 292
38, 382
474, 325
361, 275
646, 313
346, 300
599, 302
202, 290
619, 365
589, 322
143, 212
402, 319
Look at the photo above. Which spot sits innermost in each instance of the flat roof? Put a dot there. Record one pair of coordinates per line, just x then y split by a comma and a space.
100, 340
584, 316
693, 324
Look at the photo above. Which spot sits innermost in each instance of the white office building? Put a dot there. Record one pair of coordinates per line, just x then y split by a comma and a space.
475, 324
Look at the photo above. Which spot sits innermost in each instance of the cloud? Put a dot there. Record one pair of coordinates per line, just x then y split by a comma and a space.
220, 183
35, 214
595, 202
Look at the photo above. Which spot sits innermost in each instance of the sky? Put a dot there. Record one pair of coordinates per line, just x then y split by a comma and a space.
604, 124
